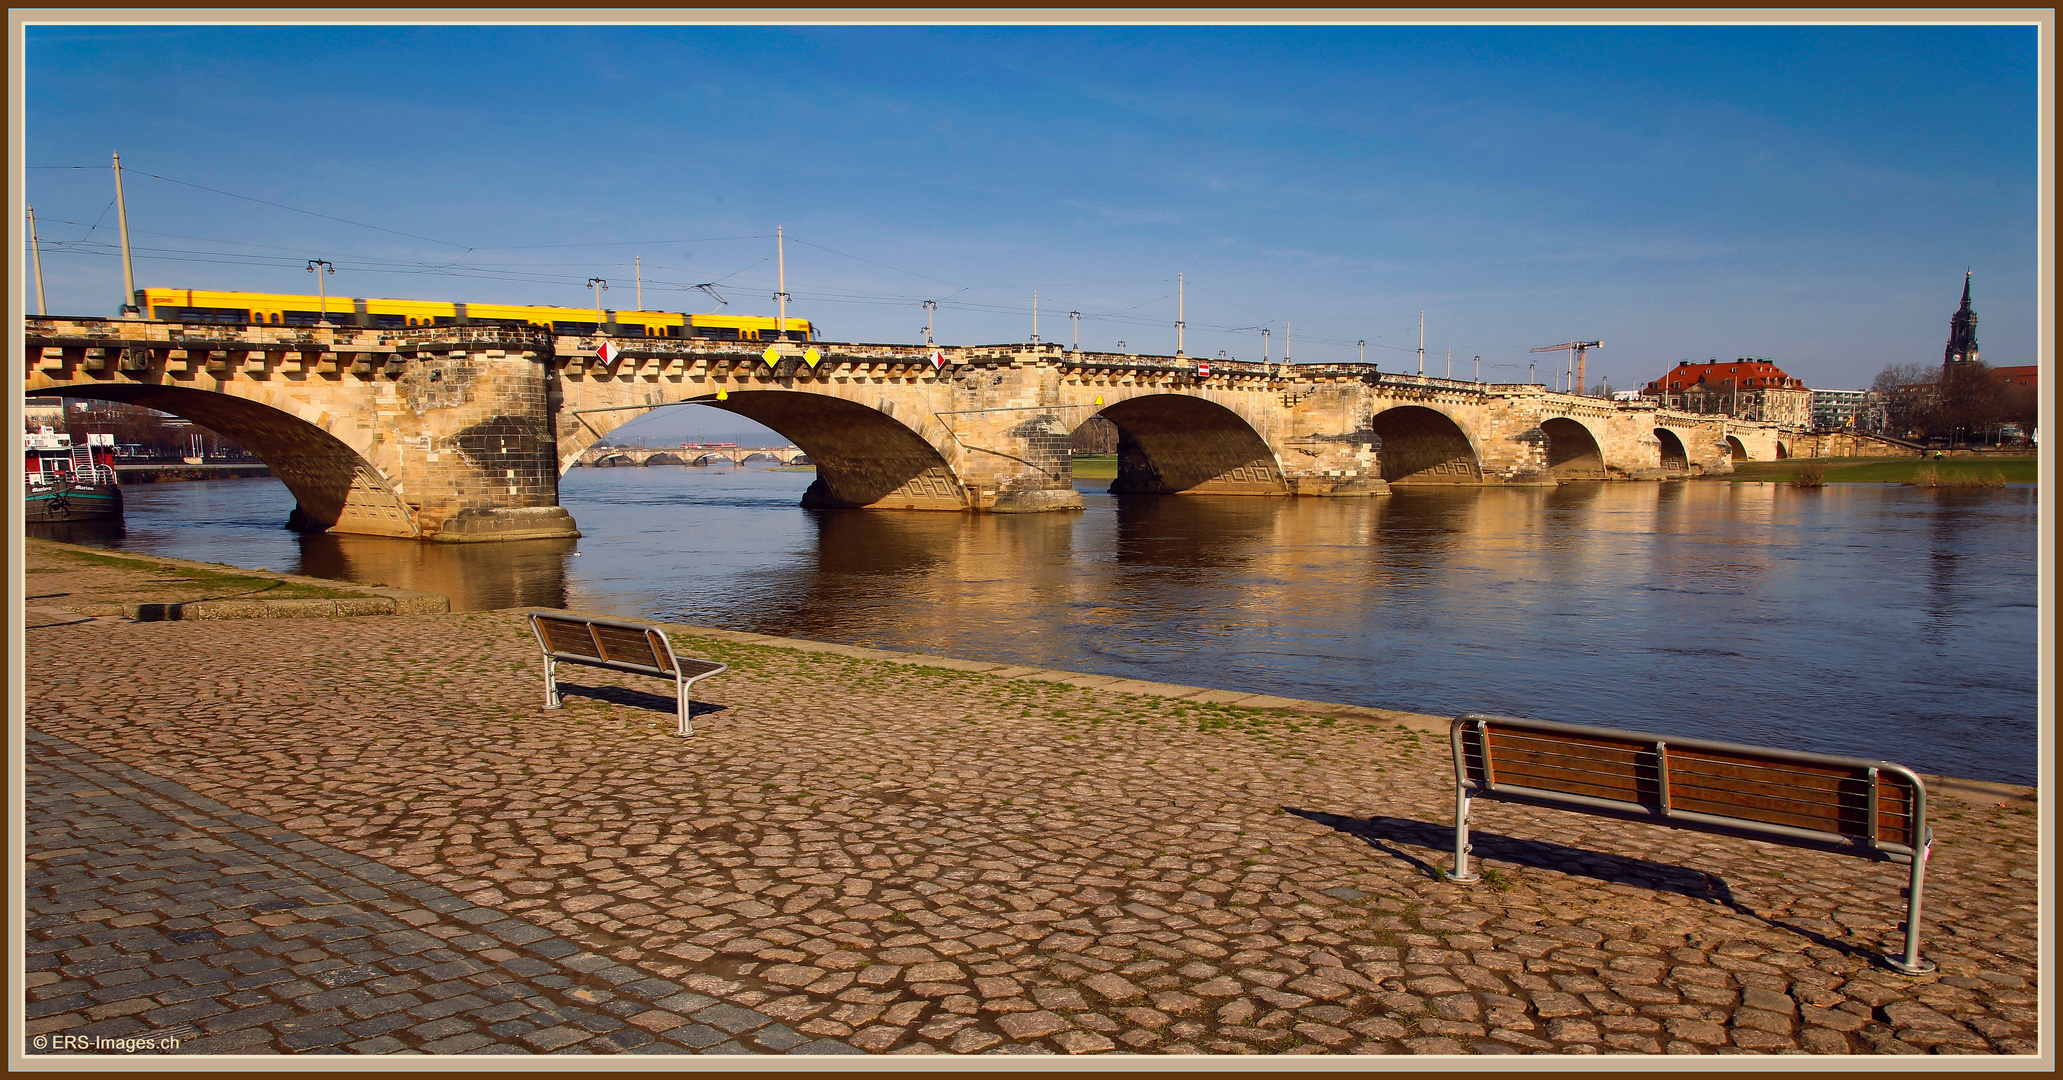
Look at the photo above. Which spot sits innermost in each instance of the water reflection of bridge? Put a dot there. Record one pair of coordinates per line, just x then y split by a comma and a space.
689, 454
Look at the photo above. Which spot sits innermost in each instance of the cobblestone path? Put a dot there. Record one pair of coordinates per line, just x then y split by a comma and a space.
913, 859
159, 914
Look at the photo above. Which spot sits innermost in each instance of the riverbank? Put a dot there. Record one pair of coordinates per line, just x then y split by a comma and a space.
70, 578
156, 473
1926, 472
1095, 467
909, 854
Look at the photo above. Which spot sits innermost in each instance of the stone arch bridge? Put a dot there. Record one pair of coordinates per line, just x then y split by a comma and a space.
460, 433
607, 456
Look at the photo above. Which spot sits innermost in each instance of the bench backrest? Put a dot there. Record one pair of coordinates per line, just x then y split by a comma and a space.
1836, 802
604, 643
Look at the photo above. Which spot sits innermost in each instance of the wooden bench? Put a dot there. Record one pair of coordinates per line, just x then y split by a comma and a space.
1850, 806
617, 646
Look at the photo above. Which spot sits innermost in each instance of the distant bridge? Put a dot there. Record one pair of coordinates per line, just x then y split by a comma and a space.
461, 432
605, 456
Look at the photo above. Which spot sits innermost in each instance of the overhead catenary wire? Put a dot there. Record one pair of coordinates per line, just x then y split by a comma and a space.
573, 274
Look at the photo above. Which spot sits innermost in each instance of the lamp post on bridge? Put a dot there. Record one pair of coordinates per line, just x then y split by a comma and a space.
1075, 341
598, 285
322, 299
930, 306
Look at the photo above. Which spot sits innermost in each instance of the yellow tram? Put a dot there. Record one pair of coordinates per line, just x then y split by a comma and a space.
268, 309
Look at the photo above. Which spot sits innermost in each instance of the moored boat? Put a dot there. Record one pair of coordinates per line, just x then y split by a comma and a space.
69, 483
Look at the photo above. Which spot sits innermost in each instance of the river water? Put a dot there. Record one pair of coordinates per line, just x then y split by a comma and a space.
1873, 620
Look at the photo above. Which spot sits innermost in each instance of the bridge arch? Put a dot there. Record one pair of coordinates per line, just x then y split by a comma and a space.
333, 482
664, 458
1573, 452
1168, 443
1425, 446
864, 456
1674, 457
1736, 449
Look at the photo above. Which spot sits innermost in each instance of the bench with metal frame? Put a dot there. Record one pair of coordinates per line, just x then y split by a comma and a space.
617, 646
1850, 806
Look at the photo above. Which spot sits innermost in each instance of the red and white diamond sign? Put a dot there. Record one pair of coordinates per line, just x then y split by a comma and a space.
938, 359
608, 352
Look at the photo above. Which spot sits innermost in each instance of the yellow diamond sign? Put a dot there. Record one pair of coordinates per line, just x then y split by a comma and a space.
770, 356
812, 356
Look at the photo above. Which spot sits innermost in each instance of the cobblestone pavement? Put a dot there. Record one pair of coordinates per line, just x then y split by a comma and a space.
920, 860
163, 915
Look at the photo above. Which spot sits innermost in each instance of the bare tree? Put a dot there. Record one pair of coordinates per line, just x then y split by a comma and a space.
2022, 408
1096, 437
1907, 392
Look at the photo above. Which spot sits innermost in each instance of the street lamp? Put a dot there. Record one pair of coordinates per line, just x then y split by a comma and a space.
930, 306
598, 285
1075, 343
322, 307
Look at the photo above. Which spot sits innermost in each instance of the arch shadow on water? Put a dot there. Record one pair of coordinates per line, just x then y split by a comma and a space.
1384, 833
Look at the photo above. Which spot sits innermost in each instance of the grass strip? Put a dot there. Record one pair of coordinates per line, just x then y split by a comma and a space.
242, 586
1946, 472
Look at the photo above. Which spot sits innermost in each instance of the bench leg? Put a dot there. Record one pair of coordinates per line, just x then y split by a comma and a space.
687, 707
1913, 963
1462, 875
551, 683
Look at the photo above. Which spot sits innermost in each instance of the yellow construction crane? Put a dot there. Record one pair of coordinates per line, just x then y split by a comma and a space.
1576, 350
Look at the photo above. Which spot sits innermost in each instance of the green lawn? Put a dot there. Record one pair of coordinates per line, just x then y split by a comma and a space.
227, 583
1095, 468
2012, 470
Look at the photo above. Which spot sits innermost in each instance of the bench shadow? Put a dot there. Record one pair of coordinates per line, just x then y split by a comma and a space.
636, 699
1385, 833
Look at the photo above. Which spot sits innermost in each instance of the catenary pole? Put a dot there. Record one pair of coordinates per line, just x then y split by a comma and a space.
781, 261
36, 255
1180, 325
129, 305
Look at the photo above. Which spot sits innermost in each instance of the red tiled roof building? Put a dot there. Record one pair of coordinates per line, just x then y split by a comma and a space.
1747, 388
1745, 373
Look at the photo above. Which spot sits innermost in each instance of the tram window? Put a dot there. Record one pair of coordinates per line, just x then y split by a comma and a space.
573, 327
392, 320
205, 315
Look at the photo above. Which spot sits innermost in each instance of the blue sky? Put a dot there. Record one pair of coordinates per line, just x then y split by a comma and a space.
1810, 195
